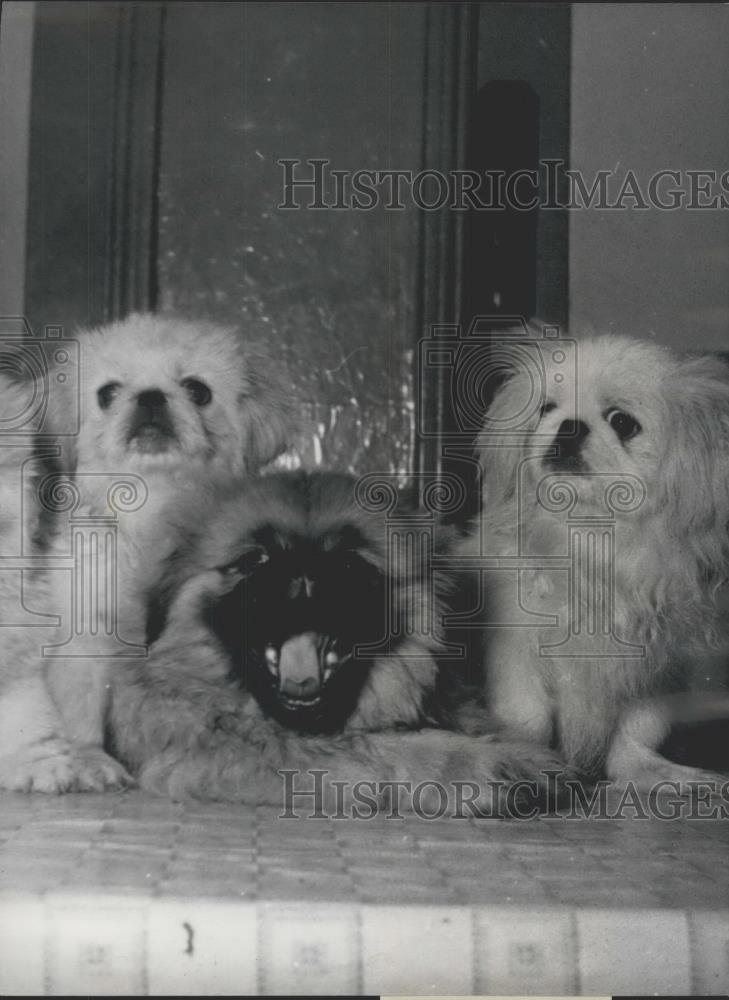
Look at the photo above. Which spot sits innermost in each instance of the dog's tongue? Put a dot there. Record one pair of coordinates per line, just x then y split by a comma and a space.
298, 667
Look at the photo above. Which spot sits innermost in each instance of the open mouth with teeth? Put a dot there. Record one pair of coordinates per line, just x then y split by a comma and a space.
309, 682
299, 624
301, 670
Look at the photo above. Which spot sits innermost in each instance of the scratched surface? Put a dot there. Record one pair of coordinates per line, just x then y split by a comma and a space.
332, 291
136, 844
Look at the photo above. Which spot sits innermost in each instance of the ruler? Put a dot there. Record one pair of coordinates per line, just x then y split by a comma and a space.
88, 944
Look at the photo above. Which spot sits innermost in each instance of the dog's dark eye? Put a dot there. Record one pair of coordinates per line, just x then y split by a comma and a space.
246, 565
251, 560
547, 408
625, 426
107, 393
198, 392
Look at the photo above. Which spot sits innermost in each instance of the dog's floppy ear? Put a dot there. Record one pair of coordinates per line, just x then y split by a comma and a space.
56, 454
694, 488
503, 440
267, 408
161, 596
57, 445
184, 578
268, 431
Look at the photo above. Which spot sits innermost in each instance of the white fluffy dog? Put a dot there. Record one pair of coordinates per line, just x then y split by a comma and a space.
34, 753
165, 403
603, 592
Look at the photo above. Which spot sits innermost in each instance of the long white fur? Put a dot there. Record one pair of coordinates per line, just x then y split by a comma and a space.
244, 426
671, 554
34, 753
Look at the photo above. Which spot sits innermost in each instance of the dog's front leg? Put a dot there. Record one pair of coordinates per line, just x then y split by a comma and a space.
518, 701
80, 690
633, 757
34, 756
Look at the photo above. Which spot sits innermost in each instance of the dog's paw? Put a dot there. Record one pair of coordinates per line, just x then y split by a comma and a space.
469, 775
639, 768
521, 760
506, 778
96, 771
47, 767
664, 777
55, 766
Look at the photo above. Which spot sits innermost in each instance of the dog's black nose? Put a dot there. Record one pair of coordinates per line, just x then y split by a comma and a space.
153, 402
568, 442
573, 430
151, 427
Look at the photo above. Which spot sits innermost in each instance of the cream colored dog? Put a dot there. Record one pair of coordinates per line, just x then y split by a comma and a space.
586, 633
165, 403
34, 753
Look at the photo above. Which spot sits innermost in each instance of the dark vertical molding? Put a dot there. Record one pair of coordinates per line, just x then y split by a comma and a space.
94, 161
500, 267
17, 25
451, 40
528, 46
474, 51
131, 275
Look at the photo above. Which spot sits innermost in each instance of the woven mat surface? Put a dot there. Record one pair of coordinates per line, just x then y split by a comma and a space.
135, 843
132, 895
